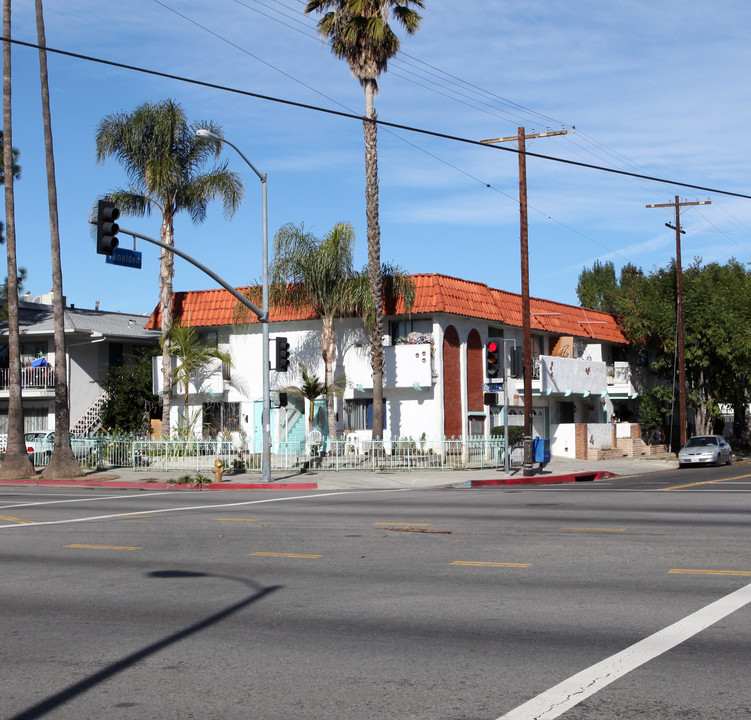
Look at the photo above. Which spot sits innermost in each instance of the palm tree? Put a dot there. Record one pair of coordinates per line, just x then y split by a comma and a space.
193, 358
311, 388
16, 462
163, 159
307, 272
62, 464
358, 32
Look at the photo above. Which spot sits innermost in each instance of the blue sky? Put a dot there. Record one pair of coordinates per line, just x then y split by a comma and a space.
654, 88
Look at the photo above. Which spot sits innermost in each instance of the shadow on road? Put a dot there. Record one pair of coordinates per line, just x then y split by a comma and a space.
69, 693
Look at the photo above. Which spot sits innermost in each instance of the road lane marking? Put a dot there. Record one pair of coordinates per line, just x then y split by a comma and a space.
135, 517
103, 547
741, 573
477, 563
212, 507
595, 529
16, 520
94, 498
562, 697
237, 520
285, 555
704, 482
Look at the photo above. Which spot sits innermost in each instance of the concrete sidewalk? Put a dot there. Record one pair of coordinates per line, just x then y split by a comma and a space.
558, 470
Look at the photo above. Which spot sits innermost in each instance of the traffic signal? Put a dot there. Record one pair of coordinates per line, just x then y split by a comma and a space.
106, 227
282, 354
493, 360
282, 399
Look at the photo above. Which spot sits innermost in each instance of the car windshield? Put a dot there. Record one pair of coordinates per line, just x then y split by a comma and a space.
701, 441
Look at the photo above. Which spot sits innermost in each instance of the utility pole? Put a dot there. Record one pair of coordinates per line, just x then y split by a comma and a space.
682, 419
526, 319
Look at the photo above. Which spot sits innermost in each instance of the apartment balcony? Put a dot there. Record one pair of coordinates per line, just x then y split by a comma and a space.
622, 379
35, 381
404, 366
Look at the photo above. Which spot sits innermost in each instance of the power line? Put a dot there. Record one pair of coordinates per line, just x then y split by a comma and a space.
361, 118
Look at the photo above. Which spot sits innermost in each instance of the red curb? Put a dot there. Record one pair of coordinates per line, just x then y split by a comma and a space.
545, 480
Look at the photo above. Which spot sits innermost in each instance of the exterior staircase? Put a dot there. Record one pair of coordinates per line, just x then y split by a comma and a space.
91, 420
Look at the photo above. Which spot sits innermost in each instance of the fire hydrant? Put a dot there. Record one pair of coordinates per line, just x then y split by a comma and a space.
218, 470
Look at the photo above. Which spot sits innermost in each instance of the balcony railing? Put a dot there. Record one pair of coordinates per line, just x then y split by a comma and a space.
31, 377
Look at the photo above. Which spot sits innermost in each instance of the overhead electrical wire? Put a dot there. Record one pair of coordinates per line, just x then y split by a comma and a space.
361, 118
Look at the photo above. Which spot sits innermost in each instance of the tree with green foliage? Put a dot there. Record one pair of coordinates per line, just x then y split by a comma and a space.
193, 358
163, 159
319, 274
717, 331
311, 388
358, 31
130, 400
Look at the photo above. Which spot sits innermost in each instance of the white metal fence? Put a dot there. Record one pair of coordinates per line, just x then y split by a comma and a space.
200, 455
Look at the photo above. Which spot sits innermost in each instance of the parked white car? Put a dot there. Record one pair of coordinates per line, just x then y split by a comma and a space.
41, 442
709, 449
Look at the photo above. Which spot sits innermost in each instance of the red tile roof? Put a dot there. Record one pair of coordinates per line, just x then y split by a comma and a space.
433, 294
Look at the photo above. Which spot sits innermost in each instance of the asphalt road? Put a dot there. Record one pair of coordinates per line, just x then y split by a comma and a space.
627, 598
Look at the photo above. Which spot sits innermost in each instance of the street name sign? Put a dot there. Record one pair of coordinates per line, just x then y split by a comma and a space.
126, 258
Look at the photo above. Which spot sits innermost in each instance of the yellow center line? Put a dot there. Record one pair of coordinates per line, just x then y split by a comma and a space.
741, 573
490, 564
237, 520
104, 547
407, 524
704, 482
285, 555
595, 529
16, 520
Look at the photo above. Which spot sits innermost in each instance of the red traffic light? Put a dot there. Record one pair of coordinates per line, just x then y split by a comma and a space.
492, 347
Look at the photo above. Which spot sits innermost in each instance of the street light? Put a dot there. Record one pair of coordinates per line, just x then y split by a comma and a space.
264, 317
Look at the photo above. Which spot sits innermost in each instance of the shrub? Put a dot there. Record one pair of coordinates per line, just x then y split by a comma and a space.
515, 434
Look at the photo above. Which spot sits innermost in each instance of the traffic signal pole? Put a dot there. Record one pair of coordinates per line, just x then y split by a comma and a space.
262, 316
526, 319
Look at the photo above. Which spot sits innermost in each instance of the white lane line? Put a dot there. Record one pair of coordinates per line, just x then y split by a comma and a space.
90, 498
554, 702
205, 507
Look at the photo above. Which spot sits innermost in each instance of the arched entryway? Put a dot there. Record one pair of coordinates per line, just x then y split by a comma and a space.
452, 379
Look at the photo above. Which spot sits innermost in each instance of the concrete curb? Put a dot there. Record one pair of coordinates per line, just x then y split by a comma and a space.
112, 482
133, 485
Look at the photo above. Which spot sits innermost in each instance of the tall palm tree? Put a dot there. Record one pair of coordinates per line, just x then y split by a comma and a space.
163, 159
16, 462
308, 272
318, 274
62, 464
358, 32
193, 357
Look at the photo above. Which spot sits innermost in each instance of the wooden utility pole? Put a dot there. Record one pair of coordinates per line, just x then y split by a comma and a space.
526, 320
682, 419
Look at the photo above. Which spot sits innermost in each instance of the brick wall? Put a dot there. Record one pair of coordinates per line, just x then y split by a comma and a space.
452, 391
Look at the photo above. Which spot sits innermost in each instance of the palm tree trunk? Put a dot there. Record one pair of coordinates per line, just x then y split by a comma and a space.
374, 258
328, 351
16, 462
166, 273
63, 463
